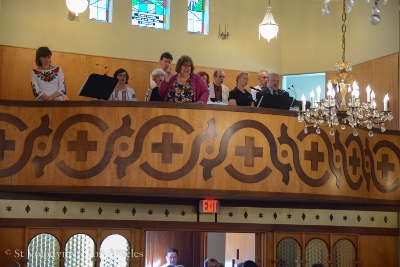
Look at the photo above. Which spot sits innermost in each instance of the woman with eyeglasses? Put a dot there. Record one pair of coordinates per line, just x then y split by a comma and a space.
121, 91
185, 86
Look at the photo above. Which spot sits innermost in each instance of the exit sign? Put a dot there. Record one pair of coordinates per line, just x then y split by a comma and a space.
209, 206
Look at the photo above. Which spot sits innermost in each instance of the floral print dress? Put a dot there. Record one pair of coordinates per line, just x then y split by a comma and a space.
48, 82
181, 93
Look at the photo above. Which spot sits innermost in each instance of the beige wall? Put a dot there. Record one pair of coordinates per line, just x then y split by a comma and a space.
313, 42
244, 242
26, 24
307, 41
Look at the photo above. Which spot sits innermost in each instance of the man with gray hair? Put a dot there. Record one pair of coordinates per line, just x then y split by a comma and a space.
272, 89
263, 83
273, 84
218, 91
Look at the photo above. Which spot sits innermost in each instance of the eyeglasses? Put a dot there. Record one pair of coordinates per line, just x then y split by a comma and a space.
187, 65
220, 76
121, 75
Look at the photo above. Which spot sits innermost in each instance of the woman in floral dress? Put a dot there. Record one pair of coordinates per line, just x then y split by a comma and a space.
47, 81
185, 86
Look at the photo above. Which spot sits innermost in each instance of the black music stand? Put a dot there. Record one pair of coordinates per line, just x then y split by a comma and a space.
275, 101
98, 86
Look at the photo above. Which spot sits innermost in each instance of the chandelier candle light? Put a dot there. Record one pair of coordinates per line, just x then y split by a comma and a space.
327, 112
374, 19
268, 28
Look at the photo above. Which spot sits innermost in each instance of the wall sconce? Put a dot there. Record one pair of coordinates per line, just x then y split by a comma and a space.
221, 34
75, 7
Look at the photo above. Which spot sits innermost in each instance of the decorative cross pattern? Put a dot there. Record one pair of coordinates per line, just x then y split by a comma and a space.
314, 156
249, 151
167, 148
5, 144
354, 161
82, 146
385, 166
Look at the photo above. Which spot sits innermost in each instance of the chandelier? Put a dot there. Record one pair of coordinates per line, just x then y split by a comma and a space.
330, 111
268, 28
374, 19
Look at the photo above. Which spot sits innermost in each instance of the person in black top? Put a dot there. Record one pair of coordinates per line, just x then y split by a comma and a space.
240, 96
152, 94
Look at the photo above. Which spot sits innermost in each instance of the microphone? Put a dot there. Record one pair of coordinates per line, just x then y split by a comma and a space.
255, 88
101, 65
294, 91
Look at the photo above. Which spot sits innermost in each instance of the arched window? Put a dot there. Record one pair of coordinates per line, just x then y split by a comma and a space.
288, 253
80, 251
114, 251
44, 250
198, 16
317, 252
151, 13
100, 10
344, 253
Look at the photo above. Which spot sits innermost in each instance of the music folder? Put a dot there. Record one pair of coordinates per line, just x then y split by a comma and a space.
275, 101
98, 86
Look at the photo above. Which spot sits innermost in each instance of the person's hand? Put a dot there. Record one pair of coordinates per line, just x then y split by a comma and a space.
168, 74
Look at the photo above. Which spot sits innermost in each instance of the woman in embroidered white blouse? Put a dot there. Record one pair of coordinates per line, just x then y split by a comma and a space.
121, 91
47, 81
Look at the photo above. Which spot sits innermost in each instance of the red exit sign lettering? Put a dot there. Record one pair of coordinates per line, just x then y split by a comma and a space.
209, 206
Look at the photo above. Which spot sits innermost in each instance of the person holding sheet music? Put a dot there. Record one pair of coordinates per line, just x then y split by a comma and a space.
218, 91
47, 81
240, 96
121, 91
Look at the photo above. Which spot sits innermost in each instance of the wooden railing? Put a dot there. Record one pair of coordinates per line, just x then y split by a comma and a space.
189, 149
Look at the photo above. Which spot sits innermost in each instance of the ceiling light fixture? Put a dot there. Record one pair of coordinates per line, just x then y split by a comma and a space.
268, 28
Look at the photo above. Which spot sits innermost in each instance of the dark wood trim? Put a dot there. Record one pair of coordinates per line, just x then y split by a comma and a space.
189, 196
196, 226
95, 103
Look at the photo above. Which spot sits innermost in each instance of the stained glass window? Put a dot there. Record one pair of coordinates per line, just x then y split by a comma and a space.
100, 10
198, 16
151, 13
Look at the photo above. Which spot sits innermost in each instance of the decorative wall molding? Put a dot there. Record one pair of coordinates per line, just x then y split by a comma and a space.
33, 209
